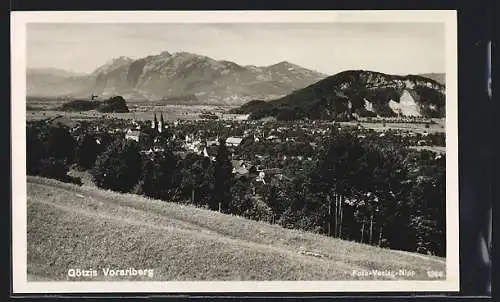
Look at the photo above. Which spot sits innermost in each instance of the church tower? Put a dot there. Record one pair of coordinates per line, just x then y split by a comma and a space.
154, 122
161, 125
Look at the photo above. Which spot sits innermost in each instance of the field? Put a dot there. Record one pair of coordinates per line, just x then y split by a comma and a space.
438, 126
436, 149
41, 109
87, 228
144, 111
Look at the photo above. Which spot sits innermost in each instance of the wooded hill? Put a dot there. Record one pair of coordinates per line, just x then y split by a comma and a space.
360, 92
113, 104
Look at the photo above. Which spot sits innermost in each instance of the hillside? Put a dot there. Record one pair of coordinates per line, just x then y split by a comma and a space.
167, 76
365, 93
83, 227
438, 77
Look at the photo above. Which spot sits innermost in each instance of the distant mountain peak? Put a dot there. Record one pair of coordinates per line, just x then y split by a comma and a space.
119, 60
183, 73
186, 54
284, 64
113, 64
54, 71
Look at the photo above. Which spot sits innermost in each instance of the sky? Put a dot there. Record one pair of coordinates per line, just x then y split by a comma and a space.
395, 48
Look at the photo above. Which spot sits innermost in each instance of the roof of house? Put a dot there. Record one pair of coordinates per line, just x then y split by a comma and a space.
239, 163
234, 140
239, 168
131, 132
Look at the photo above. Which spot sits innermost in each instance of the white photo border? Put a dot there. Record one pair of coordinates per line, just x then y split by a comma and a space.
19, 21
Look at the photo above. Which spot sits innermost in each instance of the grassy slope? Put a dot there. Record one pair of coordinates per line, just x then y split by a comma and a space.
83, 227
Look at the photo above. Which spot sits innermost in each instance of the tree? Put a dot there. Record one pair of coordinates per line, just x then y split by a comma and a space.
87, 151
49, 151
34, 150
194, 179
240, 193
286, 114
223, 177
59, 143
158, 172
146, 139
114, 104
105, 139
119, 167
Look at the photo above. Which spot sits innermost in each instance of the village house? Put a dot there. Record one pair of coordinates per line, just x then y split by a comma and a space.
239, 167
132, 135
233, 141
268, 173
421, 143
273, 138
261, 156
195, 146
211, 143
242, 117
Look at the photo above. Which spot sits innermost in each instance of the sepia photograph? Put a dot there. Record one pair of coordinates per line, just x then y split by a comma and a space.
235, 151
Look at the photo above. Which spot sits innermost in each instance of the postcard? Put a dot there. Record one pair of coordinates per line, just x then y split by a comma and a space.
234, 151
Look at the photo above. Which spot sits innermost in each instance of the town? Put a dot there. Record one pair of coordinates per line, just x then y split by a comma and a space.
257, 147
273, 168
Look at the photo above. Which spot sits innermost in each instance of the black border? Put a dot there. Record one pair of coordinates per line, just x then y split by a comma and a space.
474, 115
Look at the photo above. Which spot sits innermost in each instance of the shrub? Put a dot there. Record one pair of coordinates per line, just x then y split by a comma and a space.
52, 167
257, 210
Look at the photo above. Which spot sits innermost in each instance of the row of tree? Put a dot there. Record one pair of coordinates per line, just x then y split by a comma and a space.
165, 175
381, 195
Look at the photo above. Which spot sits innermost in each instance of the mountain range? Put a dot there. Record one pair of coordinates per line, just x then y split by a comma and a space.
181, 77
355, 92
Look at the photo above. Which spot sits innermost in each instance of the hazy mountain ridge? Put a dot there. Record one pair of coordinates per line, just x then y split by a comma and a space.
365, 93
438, 77
54, 82
165, 75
